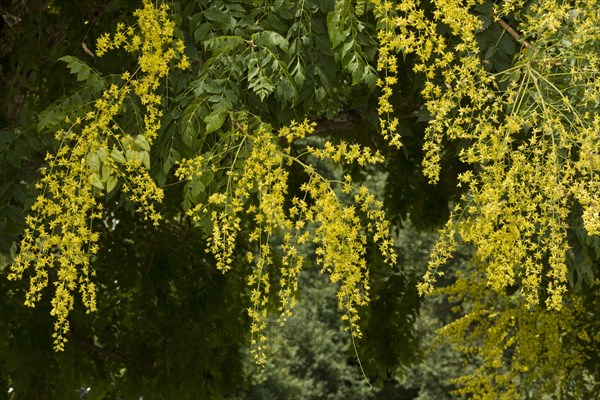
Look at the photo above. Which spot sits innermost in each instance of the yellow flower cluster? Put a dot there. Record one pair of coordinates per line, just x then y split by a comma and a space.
387, 64
519, 200
587, 191
519, 349
348, 153
95, 153
450, 80
259, 190
189, 169
534, 147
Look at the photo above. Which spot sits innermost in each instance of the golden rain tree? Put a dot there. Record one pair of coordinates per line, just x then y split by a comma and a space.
97, 155
530, 132
224, 120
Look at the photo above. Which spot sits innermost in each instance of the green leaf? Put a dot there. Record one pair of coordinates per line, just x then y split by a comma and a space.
111, 182
298, 74
142, 143
346, 47
101, 152
96, 82
333, 28
201, 32
189, 127
73, 63
83, 74
214, 14
223, 44
144, 156
97, 182
507, 45
196, 187
93, 162
49, 118
170, 160
486, 21
258, 81
207, 178
117, 155
271, 40
215, 120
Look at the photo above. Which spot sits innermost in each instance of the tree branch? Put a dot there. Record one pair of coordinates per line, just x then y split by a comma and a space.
124, 358
340, 123
513, 33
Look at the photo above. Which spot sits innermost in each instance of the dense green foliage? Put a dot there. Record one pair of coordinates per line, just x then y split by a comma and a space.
166, 206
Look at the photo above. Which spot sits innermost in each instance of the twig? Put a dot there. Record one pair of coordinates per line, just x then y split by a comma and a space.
513, 33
